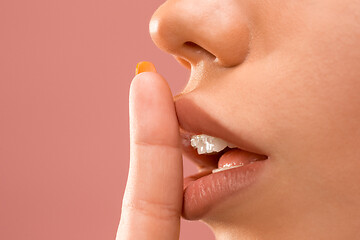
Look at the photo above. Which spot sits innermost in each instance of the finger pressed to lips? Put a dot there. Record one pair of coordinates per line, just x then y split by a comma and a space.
154, 191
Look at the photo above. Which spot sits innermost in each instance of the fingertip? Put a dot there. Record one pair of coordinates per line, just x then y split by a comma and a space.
152, 109
148, 82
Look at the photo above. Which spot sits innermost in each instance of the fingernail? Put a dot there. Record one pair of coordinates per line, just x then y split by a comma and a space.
144, 67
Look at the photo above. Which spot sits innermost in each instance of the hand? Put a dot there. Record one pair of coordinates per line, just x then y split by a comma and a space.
152, 201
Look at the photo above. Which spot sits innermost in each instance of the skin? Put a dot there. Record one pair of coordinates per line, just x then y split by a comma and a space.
287, 75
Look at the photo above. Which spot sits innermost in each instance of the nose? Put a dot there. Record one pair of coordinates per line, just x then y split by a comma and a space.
202, 30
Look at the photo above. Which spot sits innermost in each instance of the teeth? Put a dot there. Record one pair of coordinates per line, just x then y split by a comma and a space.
208, 144
225, 168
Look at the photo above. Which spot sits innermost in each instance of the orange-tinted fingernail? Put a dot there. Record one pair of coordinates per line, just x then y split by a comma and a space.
144, 67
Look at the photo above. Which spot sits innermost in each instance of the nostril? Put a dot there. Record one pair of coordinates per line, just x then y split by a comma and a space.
198, 49
192, 45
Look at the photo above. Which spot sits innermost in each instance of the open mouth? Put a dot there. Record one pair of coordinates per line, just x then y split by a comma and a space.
212, 155
228, 161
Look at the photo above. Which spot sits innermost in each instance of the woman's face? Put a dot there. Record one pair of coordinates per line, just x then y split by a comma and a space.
284, 75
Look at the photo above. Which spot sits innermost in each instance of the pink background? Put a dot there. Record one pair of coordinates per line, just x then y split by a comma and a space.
65, 70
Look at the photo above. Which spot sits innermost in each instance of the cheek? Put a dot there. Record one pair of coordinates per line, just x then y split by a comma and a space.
300, 110
304, 107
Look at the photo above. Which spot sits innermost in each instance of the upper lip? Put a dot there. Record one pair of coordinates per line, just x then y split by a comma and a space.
193, 120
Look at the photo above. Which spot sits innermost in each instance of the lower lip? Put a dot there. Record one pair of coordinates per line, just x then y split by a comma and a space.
201, 192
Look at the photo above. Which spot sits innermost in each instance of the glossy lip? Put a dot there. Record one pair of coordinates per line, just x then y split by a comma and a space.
205, 192
205, 189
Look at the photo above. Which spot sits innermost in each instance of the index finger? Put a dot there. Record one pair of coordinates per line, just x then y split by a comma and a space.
153, 197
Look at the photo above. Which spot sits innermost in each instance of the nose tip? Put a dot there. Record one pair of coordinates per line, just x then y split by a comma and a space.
163, 34
170, 33
201, 31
